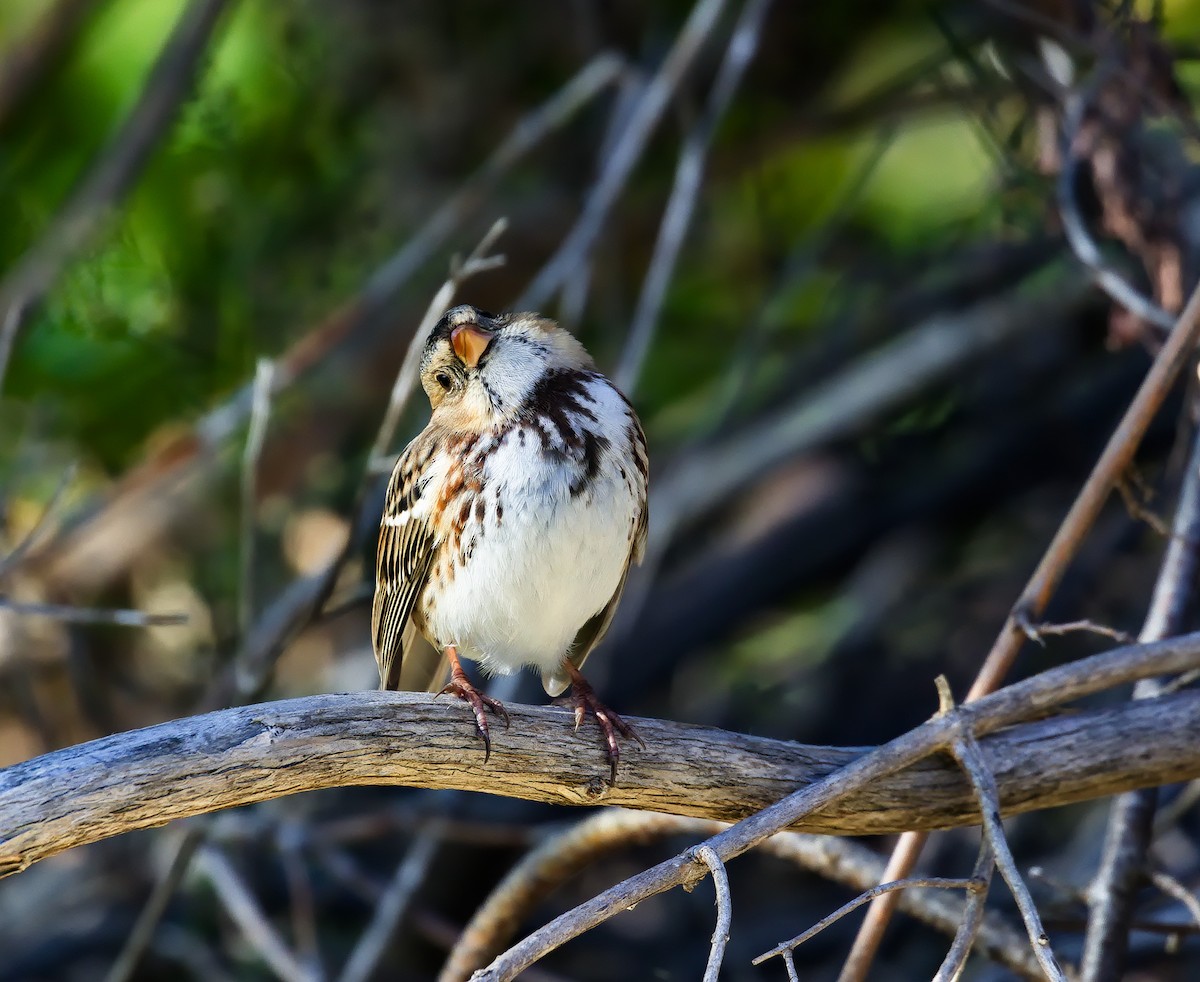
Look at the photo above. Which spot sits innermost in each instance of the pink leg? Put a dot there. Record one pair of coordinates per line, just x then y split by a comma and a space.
584, 698
459, 685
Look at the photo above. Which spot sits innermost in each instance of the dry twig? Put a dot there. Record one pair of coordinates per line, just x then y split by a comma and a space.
1131, 825
1114, 461
924, 882
392, 905
972, 920
984, 715
562, 856
720, 936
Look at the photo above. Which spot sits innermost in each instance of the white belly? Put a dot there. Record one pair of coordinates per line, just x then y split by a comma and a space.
544, 567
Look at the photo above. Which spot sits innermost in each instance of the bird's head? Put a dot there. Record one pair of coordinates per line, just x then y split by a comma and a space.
478, 369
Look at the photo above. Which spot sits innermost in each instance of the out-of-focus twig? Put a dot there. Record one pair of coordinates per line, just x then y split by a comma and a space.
1081, 242
92, 615
689, 173
241, 906
479, 261
392, 905
142, 933
112, 175
27, 61
1177, 891
13, 559
301, 896
628, 149
259, 415
1038, 632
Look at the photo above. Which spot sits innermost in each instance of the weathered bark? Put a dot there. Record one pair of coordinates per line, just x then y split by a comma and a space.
237, 756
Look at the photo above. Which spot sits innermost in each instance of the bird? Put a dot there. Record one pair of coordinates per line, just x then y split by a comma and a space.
512, 520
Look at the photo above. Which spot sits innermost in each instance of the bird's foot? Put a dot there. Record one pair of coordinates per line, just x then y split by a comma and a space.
459, 685
584, 698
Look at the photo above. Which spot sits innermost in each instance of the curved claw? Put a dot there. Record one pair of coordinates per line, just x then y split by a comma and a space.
584, 698
460, 686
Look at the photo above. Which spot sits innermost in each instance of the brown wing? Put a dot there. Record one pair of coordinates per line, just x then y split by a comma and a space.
406, 545
594, 629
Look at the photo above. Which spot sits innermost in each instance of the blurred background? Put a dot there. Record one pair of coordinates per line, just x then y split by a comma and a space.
839, 267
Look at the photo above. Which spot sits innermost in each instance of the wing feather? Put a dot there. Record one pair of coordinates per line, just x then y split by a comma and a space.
403, 561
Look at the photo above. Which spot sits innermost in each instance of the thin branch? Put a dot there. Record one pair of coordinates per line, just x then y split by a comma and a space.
589, 842
92, 615
937, 734
1138, 509
241, 906
629, 148
259, 415
392, 906
584, 86
1086, 251
689, 173
972, 917
1037, 632
479, 261
1113, 463
966, 751
1112, 892
903, 860
720, 936
1177, 891
139, 938
926, 882
13, 559
114, 172
28, 60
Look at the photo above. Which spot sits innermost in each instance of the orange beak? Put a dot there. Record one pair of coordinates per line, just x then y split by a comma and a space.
469, 342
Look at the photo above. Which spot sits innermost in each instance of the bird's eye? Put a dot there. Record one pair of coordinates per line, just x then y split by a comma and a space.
443, 379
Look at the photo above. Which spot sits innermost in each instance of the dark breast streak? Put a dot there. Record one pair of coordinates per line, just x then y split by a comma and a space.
559, 409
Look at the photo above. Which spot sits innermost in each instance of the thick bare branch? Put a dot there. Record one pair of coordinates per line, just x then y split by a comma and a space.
236, 756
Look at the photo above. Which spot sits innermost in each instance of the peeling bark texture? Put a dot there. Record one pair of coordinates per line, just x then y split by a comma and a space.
152, 776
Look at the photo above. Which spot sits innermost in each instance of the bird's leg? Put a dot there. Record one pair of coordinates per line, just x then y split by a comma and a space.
459, 685
584, 698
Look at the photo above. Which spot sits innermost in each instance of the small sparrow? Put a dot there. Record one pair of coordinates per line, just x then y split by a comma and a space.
512, 519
